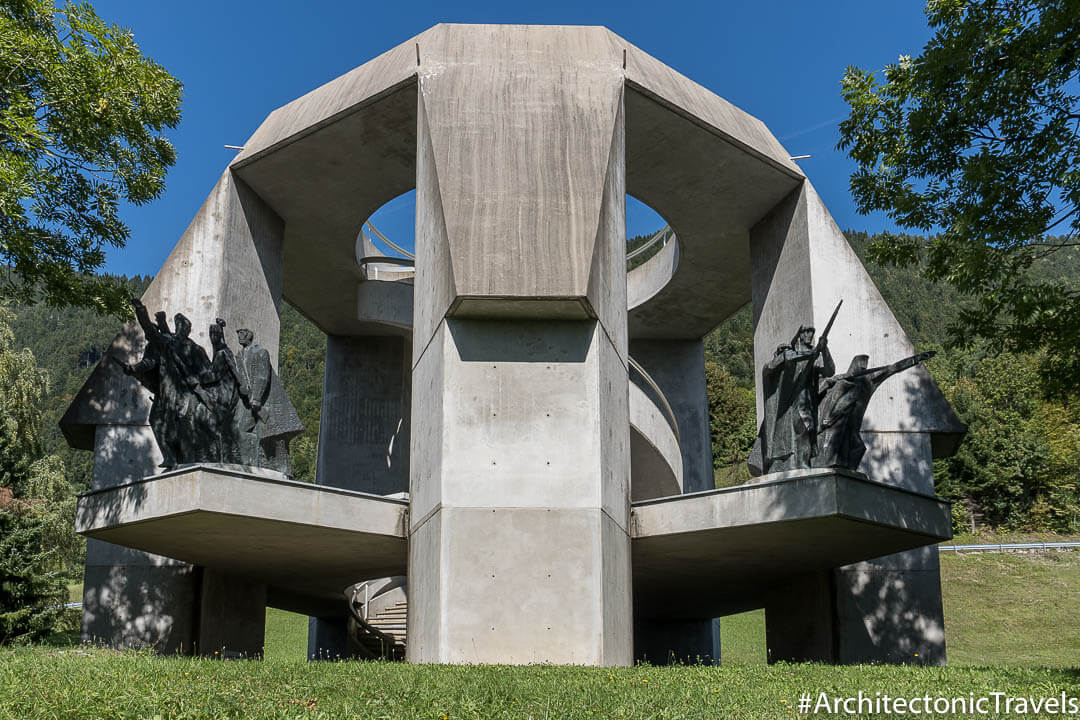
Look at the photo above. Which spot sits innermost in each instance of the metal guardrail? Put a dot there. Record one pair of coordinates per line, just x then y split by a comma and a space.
1006, 547
659, 394
389, 243
661, 234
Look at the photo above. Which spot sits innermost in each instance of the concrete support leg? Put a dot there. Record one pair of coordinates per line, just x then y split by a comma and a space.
519, 549
133, 599
363, 438
678, 367
686, 642
328, 638
887, 609
232, 616
800, 620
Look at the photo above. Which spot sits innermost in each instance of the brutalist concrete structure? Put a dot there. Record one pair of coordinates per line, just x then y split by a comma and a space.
520, 426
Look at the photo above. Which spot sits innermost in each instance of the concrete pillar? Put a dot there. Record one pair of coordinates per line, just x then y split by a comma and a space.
133, 599
232, 616
887, 609
364, 433
328, 638
227, 264
678, 367
670, 642
519, 548
363, 439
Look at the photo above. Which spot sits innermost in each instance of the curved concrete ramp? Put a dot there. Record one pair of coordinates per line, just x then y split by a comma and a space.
307, 543
718, 552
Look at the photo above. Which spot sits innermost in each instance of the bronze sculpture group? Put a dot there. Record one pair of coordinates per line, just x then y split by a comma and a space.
812, 417
228, 410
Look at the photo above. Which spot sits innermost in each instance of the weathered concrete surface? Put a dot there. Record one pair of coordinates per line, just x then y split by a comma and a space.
329, 159
519, 489
364, 433
714, 553
232, 616
363, 436
678, 367
656, 465
307, 543
670, 642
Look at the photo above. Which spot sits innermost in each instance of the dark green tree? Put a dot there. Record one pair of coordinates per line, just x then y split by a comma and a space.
37, 507
978, 140
731, 424
81, 110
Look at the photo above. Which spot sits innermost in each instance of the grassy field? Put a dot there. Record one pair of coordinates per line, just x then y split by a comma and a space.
1010, 621
81, 684
998, 610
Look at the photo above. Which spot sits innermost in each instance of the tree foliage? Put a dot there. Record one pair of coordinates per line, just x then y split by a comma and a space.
81, 110
978, 139
731, 423
1019, 464
38, 544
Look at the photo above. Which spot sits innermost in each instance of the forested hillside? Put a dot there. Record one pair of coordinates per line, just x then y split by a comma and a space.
1019, 466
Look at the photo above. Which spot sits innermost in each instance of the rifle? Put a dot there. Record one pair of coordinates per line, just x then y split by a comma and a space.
828, 326
825, 332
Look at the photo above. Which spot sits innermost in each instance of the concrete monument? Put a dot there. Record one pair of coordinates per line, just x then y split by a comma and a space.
514, 463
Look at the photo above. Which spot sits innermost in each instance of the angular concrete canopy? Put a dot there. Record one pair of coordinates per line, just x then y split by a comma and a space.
326, 161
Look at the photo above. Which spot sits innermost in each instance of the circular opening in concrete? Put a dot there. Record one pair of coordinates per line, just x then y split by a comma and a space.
394, 224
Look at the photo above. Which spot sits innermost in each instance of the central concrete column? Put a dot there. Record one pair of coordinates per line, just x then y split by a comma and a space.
519, 547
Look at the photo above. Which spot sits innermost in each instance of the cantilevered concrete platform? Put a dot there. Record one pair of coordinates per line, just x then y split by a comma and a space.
718, 552
698, 555
307, 543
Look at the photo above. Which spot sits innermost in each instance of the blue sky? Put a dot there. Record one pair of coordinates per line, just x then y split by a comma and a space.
780, 60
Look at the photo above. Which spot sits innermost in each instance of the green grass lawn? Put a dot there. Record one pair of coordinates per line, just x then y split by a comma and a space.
1012, 609
1010, 623
1000, 609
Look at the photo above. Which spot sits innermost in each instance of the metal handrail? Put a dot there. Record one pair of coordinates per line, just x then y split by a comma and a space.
387, 260
1003, 547
659, 394
661, 233
387, 240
